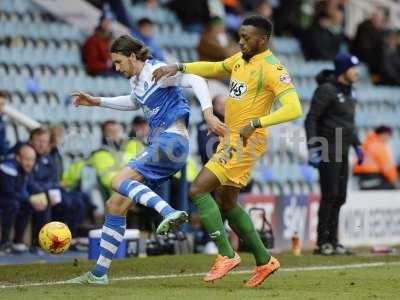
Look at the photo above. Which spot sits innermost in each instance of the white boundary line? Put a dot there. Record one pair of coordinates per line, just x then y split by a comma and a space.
294, 269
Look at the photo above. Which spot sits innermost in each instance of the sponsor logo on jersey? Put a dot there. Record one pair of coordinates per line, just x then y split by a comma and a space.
146, 85
285, 78
237, 89
150, 112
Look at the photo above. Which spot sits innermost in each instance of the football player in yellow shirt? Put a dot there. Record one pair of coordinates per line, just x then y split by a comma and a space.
257, 79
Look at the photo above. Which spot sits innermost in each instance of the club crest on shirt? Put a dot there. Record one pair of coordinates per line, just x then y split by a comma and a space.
237, 89
236, 67
285, 78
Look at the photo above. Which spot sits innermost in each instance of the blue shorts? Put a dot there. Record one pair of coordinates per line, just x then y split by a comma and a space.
165, 156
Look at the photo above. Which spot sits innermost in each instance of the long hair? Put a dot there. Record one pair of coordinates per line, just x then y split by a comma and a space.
126, 45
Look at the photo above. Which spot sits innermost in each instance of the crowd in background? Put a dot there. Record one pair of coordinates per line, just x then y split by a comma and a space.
318, 25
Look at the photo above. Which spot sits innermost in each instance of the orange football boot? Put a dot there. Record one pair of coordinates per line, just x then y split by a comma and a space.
262, 272
221, 267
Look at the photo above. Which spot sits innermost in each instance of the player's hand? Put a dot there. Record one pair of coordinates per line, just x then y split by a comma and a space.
245, 132
168, 71
213, 123
85, 99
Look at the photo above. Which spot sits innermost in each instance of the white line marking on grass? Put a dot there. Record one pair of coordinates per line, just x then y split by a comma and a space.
294, 269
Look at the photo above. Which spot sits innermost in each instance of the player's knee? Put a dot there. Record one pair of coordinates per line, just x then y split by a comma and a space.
114, 208
194, 191
226, 205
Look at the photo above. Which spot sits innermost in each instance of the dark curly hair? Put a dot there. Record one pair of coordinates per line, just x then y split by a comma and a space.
126, 45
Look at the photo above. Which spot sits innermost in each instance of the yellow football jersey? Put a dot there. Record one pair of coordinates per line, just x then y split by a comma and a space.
254, 86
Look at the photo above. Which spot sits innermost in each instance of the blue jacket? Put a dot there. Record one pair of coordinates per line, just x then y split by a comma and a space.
13, 181
44, 175
151, 44
4, 145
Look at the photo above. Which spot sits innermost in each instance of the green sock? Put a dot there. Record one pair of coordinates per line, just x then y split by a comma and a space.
211, 219
242, 225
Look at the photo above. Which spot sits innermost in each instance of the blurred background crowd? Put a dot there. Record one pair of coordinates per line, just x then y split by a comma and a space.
62, 170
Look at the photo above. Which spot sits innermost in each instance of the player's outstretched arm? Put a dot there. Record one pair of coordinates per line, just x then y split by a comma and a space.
206, 69
118, 103
201, 68
84, 99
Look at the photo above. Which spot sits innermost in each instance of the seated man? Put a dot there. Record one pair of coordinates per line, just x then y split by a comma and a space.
14, 189
379, 170
47, 201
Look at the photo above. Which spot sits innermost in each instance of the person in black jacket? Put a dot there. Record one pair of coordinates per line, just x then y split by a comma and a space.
14, 189
322, 40
330, 133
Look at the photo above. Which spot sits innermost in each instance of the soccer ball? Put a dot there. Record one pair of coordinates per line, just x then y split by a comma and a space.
55, 237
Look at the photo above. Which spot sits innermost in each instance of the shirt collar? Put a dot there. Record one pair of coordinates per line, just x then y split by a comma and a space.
261, 56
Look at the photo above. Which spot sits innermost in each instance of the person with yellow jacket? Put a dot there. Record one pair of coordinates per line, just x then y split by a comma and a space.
379, 170
108, 160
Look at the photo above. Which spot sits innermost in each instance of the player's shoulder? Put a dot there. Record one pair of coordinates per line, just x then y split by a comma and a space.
150, 66
273, 68
233, 59
272, 63
153, 63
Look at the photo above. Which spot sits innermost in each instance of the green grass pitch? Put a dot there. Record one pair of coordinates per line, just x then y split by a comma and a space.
305, 277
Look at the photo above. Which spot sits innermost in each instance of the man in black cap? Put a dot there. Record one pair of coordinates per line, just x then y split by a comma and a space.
330, 132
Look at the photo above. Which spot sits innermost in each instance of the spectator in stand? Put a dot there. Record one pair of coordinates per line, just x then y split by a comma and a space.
215, 44
95, 51
4, 146
46, 195
114, 153
56, 139
262, 7
14, 190
379, 170
367, 44
322, 41
44, 178
288, 18
72, 209
145, 33
139, 129
208, 142
194, 15
118, 9
390, 66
